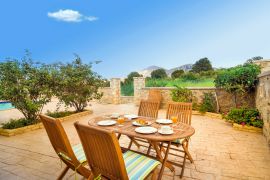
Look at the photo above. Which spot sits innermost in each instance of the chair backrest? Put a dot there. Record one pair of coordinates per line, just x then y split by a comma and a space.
180, 109
148, 108
102, 151
59, 139
154, 95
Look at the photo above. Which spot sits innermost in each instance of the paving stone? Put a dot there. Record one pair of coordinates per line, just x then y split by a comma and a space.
219, 151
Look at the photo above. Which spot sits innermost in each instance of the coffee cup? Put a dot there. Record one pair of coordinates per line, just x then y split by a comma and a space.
115, 115
166, 129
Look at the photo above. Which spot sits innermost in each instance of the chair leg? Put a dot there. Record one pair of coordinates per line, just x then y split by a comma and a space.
184, 164
129, 146
119, 135
132, 140
63, 173
149, 149
185, 147
154, 174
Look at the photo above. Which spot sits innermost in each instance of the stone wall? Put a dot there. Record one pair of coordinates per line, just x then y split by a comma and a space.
225, 100
111, 94
126, 99
107, 95
263, 102
264, 64
166, 94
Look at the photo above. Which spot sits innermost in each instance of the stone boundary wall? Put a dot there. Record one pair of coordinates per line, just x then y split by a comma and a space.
112, 95
126, 99
166, 94
107, 95
263, 102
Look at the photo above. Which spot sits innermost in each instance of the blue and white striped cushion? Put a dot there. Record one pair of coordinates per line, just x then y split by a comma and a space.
78, 151
178, 141
138, 166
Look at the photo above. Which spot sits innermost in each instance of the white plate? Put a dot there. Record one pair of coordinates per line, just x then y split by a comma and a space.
164, 121
138, 124
131, 116
165, 133
146, 130
106, 122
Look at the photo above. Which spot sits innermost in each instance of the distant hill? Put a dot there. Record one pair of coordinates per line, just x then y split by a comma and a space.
147, 71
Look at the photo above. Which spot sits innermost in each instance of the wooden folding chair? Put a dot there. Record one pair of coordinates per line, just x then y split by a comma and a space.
72, 156
105, 158
183, 111
154, 95
147, 108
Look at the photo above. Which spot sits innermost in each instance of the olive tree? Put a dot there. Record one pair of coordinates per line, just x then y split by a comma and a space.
26, 84
159, 74
202, 65
177, 73
76, 84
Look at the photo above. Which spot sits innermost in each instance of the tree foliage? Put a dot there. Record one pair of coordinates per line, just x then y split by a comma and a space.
26, 84
202, 65
177, 73
130, 77
241, 78
76, 84
159, 74
256, 58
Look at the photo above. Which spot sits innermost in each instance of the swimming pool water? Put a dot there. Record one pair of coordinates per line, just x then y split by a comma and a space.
5, 105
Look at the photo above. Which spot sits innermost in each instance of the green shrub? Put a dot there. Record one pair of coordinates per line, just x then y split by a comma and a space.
181, 94
208, 104
127, 89
203, 82
156, 82
17, 123
245, 116
59, 114
208, 74
189, 76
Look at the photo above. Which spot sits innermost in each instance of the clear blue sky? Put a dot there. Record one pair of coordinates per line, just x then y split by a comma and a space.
131, 35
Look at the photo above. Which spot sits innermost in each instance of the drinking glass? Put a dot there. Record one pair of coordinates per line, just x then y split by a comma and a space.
174, 120
120, 121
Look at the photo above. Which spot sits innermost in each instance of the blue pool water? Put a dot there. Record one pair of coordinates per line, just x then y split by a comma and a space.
5, 105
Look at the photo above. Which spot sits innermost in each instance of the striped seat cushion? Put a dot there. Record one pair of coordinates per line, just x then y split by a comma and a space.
178, 141
79, 153
138, 166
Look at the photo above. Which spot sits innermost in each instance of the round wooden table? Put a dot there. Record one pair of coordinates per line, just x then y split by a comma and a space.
181, 131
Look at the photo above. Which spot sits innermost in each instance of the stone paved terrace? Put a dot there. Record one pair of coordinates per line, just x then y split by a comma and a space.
219, 151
